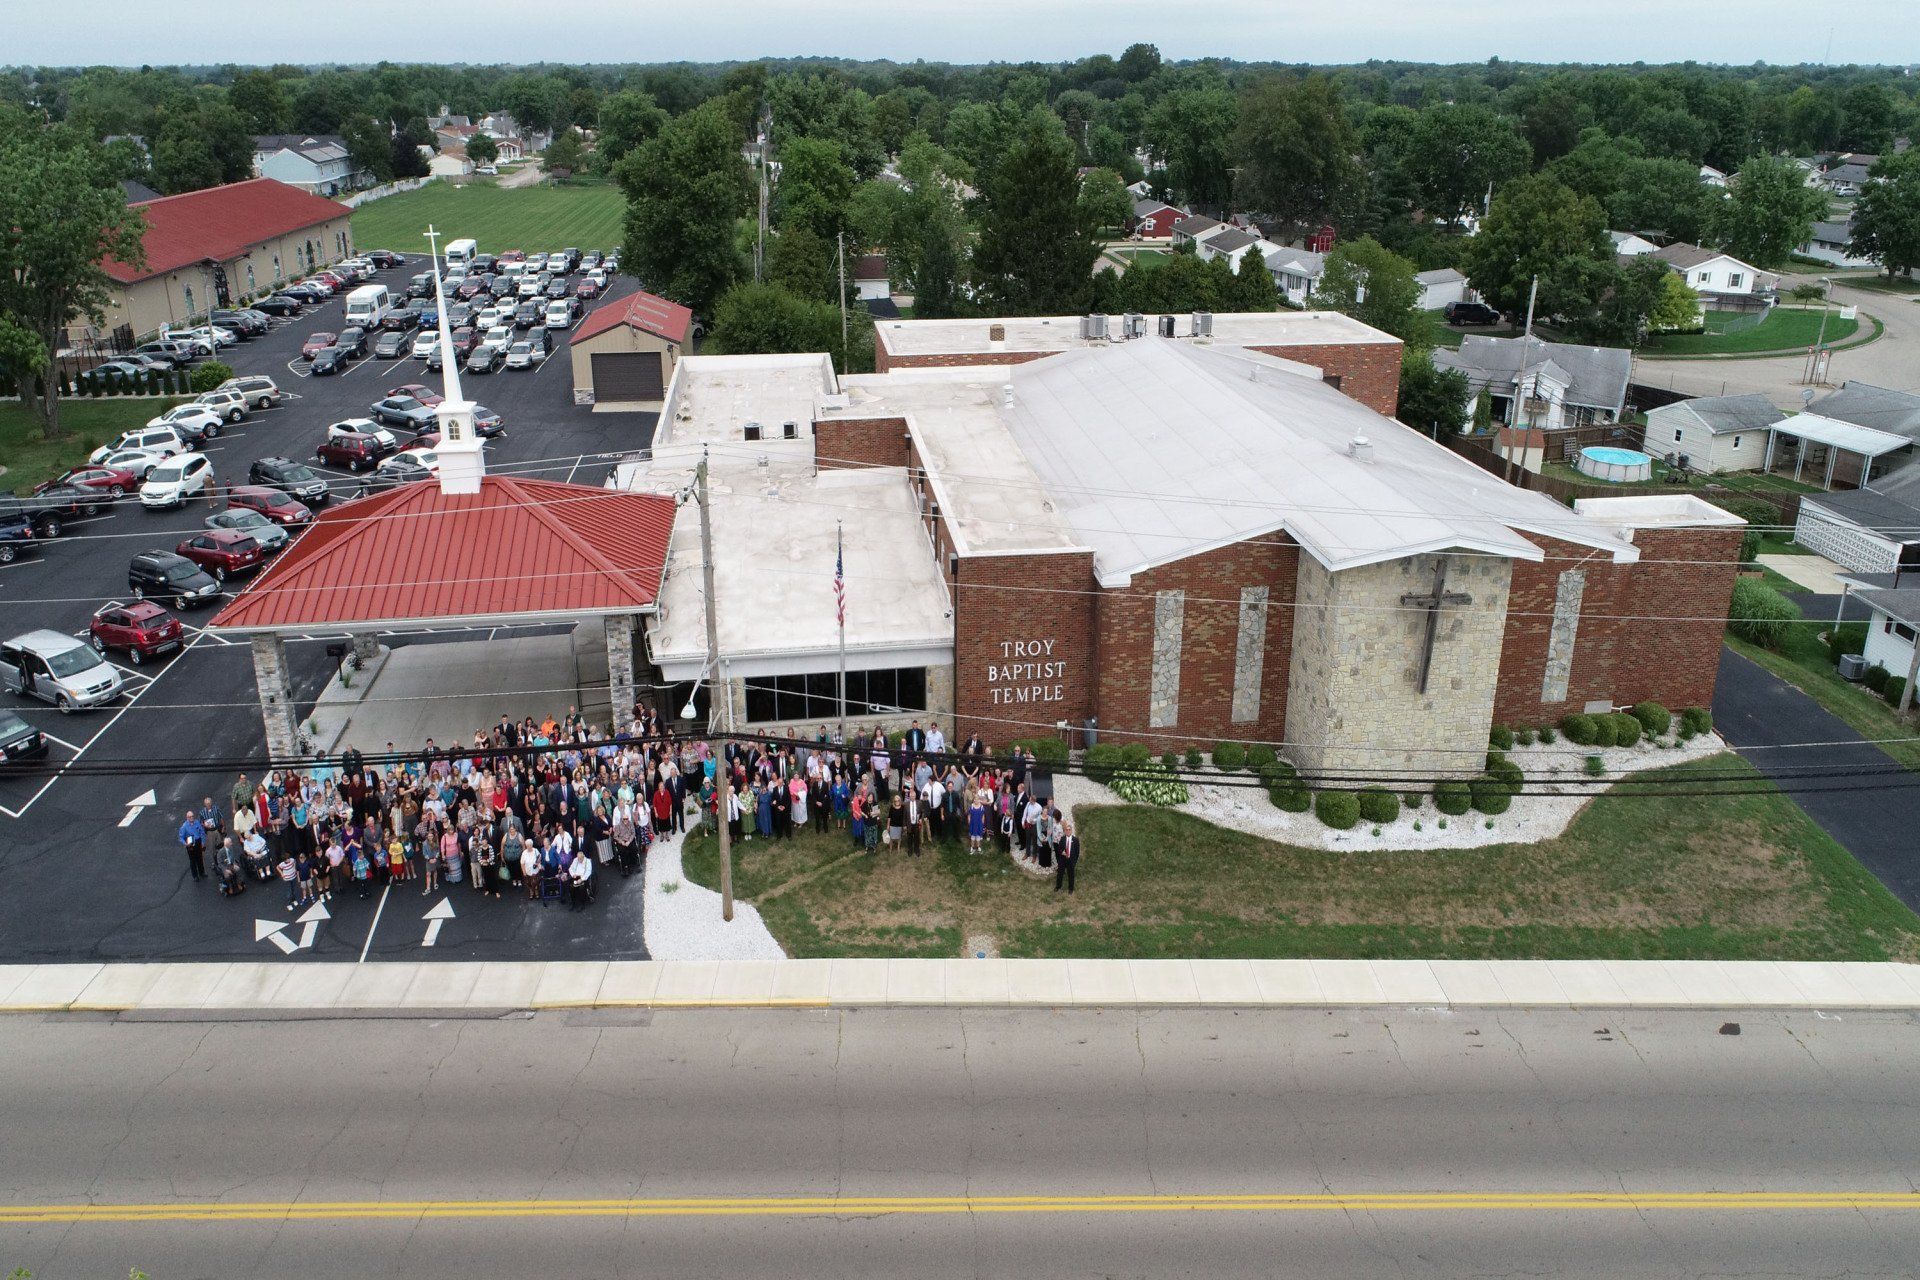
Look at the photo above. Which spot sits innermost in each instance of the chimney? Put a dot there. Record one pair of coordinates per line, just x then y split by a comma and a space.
997, 337
1360, 449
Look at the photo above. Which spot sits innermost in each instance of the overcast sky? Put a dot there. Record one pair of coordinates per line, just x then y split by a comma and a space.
131, 32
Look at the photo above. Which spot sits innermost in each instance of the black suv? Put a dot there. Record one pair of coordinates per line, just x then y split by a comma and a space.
1470, 313
289, 477
162, 576
280, 304
248, 324
527, 315
352, 340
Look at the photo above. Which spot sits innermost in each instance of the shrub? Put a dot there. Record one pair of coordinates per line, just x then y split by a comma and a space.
1337, 809
1526, 737
1490, 794
1135, 753
1260, 755
1843, 640
1508, 772
1579, 728
1148, 783
1412, 799
1626, 728
1654, 718
1101, 760
208, 376
1169, 761
1193, 758
1378, 806
1876, 678
1754, 511
1697, 719
1046, 750
1749, 546
1275, 772
1453, 798
1229, 755
1605, 733
1495, 758
1595, 767
1759, 614
1290, 795
1501, 739
1547, 735
1896, 685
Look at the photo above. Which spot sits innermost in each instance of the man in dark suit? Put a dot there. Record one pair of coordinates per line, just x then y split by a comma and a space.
914, 743
1066, 859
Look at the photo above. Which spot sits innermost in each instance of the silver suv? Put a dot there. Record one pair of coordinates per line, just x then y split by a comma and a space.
260, 392
55, 667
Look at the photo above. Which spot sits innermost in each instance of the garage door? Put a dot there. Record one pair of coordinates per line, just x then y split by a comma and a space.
627, 375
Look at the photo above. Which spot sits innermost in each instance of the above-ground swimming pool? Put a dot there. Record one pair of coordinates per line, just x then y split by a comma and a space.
1604, 462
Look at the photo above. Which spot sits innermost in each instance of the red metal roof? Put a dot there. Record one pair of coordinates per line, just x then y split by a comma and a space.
415, 553
663, 319
222, 223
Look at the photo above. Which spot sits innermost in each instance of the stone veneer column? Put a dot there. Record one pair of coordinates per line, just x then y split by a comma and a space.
1249, 654
620, 631
276, 697
1563, 636
940, 698
1353, 701
1163, 694
366, 646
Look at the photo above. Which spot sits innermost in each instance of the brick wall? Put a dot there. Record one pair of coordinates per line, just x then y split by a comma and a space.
989, 621
859, 442
1212, 581
1368, 371
884, 360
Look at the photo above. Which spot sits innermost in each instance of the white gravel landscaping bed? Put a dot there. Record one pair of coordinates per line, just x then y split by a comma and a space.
1534, 816
684, 923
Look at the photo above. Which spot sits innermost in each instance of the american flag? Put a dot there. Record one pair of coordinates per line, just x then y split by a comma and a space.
840, 581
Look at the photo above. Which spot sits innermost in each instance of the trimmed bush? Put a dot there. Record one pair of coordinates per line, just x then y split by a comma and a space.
1275, 772
1653, 718
1337, 809
1230, 756
1135, 754
1876, 678
1452, 798
1547, 735
1169, 761
1260, 755
1193, 758
1697, 720
208, 376
1495, 758
1605, 732
1749, 546
1526, 737
1501, 739
1896, 685
1508, 772
1045, 750
1290, 795
1595, 766
1101, 760
1626, 728
1379, 806
1490, 795
1759, 614
1412, 800
1579, 728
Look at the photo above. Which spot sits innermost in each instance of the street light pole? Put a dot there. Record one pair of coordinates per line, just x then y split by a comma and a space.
723, 789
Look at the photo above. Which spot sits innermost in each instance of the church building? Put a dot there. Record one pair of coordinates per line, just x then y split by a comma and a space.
1183, 529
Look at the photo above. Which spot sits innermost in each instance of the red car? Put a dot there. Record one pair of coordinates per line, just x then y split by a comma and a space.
464, 341
586, 289
143, 629
513, 255
420, 391
315, 344
281, 508
223, 552
352, 450
333, 278
115, 482
467, 291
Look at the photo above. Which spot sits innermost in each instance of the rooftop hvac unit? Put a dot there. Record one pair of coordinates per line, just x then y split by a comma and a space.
1134, 325
751, 431
1203, 324
1853, 666
1093, 327
1166, 326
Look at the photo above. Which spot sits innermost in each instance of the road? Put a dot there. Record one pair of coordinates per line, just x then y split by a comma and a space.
1373, 1143
1889, 362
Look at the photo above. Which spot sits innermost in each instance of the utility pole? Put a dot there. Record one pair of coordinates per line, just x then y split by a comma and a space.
723, 790
840, 255
1516, 466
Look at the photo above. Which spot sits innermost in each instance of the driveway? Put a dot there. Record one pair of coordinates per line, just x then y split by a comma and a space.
1754, 710
525, 176
1893, 361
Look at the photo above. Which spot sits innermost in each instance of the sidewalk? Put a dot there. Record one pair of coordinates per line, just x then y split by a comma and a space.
499, 987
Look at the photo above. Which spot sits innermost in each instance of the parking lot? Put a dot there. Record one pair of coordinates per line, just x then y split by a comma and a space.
89, 868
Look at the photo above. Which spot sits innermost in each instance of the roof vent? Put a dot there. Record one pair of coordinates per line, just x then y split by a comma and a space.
1360, 449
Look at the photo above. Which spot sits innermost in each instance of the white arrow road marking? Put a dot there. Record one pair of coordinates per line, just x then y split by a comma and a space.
145, 800
441, 912
311, 918
264, 929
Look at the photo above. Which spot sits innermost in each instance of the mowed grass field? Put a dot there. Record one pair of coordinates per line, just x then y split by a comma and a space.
539, 217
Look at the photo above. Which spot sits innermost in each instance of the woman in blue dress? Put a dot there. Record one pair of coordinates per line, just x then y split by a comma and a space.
765, 818
976, 825
841, 795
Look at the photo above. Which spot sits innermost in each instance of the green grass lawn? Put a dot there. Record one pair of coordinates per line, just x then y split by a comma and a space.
30, 457
1783, 329
1651, 877
1780, 543
538, 217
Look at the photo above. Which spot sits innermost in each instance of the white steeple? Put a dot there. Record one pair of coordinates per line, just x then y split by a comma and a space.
462, 463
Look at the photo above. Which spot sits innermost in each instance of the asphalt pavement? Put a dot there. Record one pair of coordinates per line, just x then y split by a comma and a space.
86, 871
900, 1142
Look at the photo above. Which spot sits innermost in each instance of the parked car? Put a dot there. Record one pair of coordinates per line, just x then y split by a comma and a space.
230, 405
427, 460
163, 440
404, 411
264, 531
1470, 313
261, 391
224, 553
524, 355
19, 740
330, 360
283, 509
282, 305
248, 322
176, 481
54, 505
54, 667
560, 314
485, 358
365, 427
212, 336
395, 471
16, 536
418, 390
469, 289
140, 630
385, 259
353, 452
290, 477
194, 422
110, 372
401, 320
421, 286
106, 481
166, 575
425, 343
315, 344
137, 461
486, 423
352, 339
169, 352
587, 290
527, 315
391, 345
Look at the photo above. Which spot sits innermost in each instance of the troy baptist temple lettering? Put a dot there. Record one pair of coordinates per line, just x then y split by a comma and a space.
1036, 680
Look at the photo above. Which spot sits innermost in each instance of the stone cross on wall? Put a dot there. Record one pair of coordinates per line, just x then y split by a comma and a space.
1433, 601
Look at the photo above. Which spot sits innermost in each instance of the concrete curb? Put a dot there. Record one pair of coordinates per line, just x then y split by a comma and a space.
289, 989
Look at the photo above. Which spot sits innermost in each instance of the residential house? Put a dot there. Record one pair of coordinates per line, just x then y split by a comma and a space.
1845, 174
317, 163
1195, 226
1154, 219
1874, 529
1440, 287
1628, 245
450, 161
1892, 598
1141, 190
1715, 433
137, 192
1872, 430
1712, 177
1556, 384
445, 117
871, 278
1233, 244
503, 128
1297, 273
1833, 242
1724, 282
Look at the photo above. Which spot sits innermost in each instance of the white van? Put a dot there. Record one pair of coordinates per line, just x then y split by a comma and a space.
368, 305
460, 252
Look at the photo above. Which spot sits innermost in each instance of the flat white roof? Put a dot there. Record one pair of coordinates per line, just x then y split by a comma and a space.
713, 397
1657, 511
1836, 434
1062, 333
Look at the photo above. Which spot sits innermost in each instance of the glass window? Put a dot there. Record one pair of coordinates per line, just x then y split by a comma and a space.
1733, 281
815, 696
1736, 442
1904, 631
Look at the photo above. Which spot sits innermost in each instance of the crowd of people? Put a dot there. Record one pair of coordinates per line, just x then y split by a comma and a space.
543, 809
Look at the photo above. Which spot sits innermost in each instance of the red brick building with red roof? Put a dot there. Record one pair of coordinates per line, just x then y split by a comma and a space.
258, 235
626, 351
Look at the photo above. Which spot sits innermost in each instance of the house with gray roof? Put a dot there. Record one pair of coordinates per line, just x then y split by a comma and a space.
1723, 282
317, 163
1865, 529
1866, 405
1195, 226
1715, 433
1440, 287
1297, 272
1832, 241
1561, 384
1849, 177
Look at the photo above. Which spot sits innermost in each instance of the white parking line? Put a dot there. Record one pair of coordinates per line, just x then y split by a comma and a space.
62, 741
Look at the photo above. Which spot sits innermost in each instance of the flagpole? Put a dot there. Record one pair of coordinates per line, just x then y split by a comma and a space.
839, 573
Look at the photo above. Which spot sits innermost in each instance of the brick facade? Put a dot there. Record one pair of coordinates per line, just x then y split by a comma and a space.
992, 624
1368, 371
884, 360
840, 443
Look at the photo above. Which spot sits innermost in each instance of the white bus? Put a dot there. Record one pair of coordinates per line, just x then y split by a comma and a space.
460, 252
368, 305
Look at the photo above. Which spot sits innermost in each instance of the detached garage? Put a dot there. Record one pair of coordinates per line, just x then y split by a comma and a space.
624, 354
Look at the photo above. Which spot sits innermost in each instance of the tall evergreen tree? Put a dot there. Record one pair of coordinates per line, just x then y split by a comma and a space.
1036, 251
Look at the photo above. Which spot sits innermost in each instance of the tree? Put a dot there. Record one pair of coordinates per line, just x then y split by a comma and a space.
1432, 400
1190, 131
370, 143
1253, 287
752, 319
1537, 226
1620, 300
804, 265
482, 149
1458, 153
566, 153
262, 102
1375, 286
405, 160
685, 188
1139, 62
815, 185
67, 218
1771, 209
627, 119
1886, 217
1036, 251
928, 238
1104, 201
1297, 151
1676, 306
536, 102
